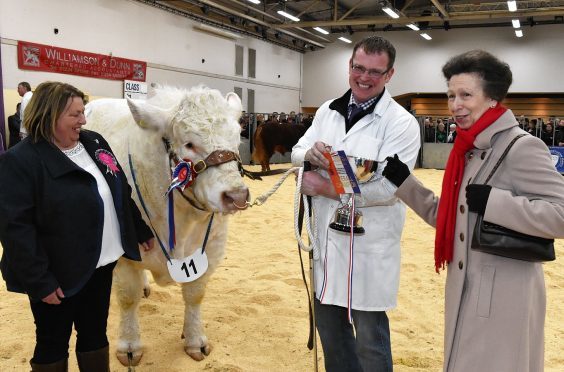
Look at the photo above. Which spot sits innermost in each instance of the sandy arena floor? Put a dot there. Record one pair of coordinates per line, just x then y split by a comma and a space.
255, 311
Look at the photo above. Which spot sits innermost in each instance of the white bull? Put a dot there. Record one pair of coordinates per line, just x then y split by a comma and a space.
194, 123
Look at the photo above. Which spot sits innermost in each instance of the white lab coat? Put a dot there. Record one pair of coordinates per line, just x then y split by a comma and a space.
386, 131
25, 100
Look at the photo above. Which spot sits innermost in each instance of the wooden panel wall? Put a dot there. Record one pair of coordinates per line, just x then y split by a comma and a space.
527, 106
309, 110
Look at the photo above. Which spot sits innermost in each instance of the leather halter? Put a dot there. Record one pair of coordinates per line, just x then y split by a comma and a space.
216, 158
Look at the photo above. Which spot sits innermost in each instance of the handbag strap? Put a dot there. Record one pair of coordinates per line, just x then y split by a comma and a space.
503, 156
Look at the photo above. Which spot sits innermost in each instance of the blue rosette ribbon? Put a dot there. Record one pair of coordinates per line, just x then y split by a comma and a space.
182, 177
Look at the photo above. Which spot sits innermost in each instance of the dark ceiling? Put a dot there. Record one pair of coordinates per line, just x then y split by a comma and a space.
345, 17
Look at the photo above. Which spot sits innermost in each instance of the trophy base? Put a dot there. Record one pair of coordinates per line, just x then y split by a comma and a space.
344, 228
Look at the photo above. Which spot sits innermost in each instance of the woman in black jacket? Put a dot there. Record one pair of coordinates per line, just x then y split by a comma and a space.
66, 216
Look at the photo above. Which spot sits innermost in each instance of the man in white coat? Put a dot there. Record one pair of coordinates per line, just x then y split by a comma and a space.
365, 122
24, 90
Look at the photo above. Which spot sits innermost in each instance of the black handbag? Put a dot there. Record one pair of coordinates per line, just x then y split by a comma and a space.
500, 241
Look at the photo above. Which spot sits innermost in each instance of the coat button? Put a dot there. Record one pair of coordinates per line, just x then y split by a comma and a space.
483, 155
462, 209
470, 156
460, 265
455, 183
461, 237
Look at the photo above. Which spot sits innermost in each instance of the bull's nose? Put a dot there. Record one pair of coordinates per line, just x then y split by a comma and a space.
236, 199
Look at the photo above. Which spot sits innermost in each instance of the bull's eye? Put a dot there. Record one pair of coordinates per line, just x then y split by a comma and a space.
189, 145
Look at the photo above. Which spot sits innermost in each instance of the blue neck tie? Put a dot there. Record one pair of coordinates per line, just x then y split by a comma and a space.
356, 110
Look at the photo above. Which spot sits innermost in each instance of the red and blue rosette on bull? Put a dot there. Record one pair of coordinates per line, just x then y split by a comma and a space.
182, 176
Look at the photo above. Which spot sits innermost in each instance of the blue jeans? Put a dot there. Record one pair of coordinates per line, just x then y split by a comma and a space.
366, 348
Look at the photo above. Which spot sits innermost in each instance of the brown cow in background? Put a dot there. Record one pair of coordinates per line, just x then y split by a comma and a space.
271, 137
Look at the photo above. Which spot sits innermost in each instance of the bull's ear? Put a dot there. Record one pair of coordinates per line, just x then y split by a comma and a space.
234, 102
148, 116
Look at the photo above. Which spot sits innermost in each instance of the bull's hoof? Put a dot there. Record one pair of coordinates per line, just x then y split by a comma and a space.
146, 291
134, 358
198, 354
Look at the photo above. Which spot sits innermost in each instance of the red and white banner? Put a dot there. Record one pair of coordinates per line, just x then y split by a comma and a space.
39, 57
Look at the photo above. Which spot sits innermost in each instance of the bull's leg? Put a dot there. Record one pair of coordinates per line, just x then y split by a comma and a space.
128, 285
146, 285
196, 343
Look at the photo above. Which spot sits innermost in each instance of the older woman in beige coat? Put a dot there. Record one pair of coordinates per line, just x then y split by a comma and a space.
494, 306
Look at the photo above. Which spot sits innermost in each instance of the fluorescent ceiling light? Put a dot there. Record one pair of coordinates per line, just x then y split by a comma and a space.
519, 33
216, 31
319, 29
390, 12
289, 16
345, 40
413, 27
254, 1
512, 6
426, 36
516, 23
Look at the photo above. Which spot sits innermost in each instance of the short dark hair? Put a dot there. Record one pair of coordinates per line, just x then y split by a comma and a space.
496, 74
376, 44
26, 85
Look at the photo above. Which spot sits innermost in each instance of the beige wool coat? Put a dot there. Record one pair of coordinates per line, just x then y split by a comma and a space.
495, 306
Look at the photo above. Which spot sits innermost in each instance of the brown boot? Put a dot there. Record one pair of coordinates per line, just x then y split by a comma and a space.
59, 366
94, 361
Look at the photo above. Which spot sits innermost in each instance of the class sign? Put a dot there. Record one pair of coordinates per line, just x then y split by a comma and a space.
134, 89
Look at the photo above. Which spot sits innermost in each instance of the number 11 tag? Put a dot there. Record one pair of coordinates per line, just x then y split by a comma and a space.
189, 268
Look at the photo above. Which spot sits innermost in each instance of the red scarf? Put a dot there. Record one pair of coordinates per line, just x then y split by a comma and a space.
446, 216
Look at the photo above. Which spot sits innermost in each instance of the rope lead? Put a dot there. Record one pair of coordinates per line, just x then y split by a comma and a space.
310, 226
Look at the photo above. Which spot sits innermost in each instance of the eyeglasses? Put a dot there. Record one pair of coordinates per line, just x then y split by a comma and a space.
360, 70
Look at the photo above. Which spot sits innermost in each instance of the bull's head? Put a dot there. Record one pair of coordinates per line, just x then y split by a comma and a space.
201, 126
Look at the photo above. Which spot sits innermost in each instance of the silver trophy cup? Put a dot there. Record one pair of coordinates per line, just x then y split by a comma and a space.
364, 170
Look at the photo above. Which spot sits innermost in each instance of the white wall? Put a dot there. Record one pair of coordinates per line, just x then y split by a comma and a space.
167, 42
174, 52
535, 59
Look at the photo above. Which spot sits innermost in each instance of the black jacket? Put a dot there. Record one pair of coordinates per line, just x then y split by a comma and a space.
14, 127
52, 216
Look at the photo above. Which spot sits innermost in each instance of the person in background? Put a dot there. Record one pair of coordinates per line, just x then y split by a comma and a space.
429, 130
244, 121
494, 306
307, 120
532, 128
451, 133
547, 135
442, 135
365, 122
66, 217
273, 118
291, 118
559, 140
260, 119
14, 124
24, 90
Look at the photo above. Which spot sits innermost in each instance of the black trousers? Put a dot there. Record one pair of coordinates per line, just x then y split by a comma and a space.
87, 310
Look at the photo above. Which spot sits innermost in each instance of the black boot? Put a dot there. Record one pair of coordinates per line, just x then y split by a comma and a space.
94, 361
59, 366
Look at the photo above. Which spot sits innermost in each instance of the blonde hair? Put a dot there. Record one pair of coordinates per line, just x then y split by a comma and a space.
46, 106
